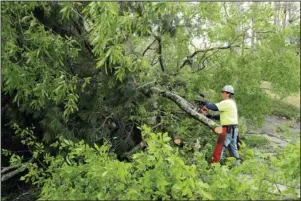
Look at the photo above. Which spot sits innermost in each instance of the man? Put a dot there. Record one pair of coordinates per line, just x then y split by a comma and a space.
228, 119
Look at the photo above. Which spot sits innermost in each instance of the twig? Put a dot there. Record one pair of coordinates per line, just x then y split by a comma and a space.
225, 9
106, 118
205, 50
148, 47
277, 188
110, 116
146, 84
153, 62
157, 125
37, 159
27, 192
135, 149
203, 67
186, 106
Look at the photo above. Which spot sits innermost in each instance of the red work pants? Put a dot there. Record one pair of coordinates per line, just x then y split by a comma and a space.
217, 152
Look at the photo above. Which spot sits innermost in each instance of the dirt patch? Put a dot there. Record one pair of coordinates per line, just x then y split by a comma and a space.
294, 100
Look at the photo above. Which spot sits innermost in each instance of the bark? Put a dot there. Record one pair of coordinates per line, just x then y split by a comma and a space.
186, 106
5, 177
6, 169
9, 175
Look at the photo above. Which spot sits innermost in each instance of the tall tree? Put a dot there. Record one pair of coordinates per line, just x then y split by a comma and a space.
84, 69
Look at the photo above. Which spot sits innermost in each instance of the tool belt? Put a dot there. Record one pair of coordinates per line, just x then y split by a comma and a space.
230, 129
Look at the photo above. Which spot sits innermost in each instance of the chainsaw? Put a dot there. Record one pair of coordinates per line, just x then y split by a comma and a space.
200, 105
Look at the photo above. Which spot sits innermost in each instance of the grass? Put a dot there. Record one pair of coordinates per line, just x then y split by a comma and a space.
285, 109
256, 141
288, 107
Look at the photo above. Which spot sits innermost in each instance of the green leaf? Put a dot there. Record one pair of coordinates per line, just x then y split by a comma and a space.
101, 63
177, 186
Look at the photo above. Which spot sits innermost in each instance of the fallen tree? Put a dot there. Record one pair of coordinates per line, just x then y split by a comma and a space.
184, 105
189, 109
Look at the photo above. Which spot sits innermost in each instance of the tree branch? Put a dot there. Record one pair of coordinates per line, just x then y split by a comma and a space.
23, 194
5, 169
203, 59
159, 39
226, 12
9, 175
148, 47
186, 61
186, 106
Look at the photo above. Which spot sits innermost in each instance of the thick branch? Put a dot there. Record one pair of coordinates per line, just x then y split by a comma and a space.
5, 169
186, 106
12, 173
9, 175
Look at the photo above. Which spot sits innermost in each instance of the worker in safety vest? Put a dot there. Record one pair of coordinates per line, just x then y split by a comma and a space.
228, 119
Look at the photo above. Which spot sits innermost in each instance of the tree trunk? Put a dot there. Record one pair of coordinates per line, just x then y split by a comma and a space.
186, 106
285, 14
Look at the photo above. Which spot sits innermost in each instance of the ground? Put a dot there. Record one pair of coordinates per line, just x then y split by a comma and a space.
278, 130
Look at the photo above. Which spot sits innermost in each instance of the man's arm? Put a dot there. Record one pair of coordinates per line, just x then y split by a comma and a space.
215, 117
210, 106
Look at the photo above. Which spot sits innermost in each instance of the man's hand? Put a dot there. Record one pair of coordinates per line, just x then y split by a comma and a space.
218, 130
204, 110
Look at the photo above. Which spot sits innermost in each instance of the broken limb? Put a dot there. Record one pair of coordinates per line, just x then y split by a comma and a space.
22, 168
187, 107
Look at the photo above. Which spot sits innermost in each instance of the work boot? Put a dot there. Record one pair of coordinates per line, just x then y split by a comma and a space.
238, 161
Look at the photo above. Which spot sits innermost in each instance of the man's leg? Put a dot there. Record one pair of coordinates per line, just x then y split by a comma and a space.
233, 146
218, 149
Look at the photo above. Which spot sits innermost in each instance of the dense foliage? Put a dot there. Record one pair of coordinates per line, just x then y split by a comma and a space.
81, 71
82, 172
